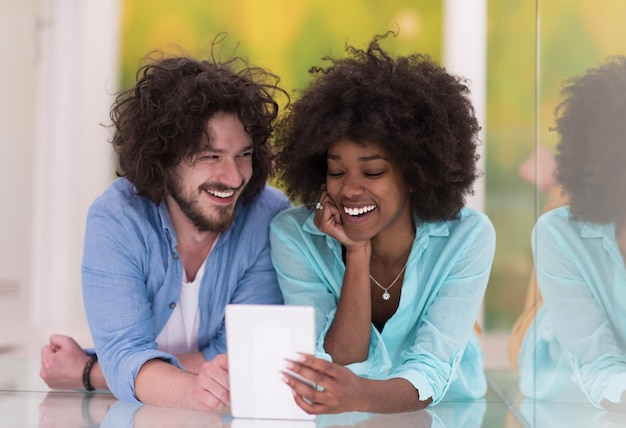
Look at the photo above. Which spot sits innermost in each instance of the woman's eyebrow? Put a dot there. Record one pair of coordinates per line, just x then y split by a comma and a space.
360, 159
371, 158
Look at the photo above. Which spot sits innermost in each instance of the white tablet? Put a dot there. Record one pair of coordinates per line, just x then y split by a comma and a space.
259, 338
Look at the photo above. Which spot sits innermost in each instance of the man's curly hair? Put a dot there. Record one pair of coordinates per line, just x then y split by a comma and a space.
419, 114
591, 152
161, 120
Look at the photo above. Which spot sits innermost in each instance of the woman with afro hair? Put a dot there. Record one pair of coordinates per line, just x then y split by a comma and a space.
576, 345
381, 153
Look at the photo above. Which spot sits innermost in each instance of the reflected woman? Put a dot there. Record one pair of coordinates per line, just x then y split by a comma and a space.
576, 344
382, 153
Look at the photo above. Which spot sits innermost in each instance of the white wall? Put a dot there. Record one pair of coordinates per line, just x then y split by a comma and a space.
18, 74
60, 65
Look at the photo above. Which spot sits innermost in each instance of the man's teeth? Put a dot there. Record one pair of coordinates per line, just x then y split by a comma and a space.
226, 194
358, 211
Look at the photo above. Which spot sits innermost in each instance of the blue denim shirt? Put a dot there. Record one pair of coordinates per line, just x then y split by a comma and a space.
429, 341
132, 278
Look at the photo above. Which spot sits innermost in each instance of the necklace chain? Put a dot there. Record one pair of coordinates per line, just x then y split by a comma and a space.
386, 295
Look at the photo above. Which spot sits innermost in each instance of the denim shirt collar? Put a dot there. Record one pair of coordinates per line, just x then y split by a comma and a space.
166, 224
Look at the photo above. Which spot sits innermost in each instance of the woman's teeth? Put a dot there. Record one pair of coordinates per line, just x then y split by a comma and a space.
358, 211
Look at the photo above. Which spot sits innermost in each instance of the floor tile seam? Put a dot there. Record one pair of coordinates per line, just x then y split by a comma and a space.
508, 403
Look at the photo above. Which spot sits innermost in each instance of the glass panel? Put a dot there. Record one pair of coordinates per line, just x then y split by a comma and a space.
573, 358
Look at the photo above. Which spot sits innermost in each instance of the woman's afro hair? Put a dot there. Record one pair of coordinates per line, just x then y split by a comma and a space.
416, 111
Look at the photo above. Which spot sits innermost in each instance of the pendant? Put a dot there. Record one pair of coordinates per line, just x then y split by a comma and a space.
386, 295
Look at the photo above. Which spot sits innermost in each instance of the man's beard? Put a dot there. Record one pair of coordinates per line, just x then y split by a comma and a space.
189, 205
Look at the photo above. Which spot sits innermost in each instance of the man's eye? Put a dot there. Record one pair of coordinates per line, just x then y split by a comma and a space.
246, 154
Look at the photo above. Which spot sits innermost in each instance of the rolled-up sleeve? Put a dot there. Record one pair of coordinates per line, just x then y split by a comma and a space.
116, 301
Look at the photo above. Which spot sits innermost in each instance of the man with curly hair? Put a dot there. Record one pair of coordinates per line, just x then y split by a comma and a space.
182, 234
382, 153
576, 344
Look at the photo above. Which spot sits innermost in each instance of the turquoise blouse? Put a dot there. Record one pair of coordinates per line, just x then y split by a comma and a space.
579, 334
430, 339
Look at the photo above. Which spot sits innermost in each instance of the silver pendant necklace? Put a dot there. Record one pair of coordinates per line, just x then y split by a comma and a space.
386, 295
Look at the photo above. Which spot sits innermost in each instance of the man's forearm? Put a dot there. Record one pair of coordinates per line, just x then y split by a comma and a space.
161, 384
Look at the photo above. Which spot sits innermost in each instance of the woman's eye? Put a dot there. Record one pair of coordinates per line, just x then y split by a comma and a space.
374, 174
334, 173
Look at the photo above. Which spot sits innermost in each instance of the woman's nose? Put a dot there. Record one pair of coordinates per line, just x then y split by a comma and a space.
352, 186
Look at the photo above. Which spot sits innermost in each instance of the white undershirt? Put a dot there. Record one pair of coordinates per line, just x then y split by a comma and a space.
180, 334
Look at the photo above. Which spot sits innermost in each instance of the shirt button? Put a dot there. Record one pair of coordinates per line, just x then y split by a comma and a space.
172, 305
175, 256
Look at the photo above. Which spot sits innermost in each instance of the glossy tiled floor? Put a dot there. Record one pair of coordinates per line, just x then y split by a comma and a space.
25, 401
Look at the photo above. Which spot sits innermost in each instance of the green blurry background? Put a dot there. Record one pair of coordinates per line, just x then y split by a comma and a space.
289, 36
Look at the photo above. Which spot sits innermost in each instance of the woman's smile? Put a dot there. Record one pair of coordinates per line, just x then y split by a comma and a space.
359, 211
367, 188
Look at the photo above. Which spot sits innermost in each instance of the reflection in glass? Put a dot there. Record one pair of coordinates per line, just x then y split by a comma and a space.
446, 414
59, 409
136, 415
104, 410
564, 414
575, 348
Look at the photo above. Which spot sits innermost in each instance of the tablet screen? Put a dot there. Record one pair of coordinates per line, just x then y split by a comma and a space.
259, 338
